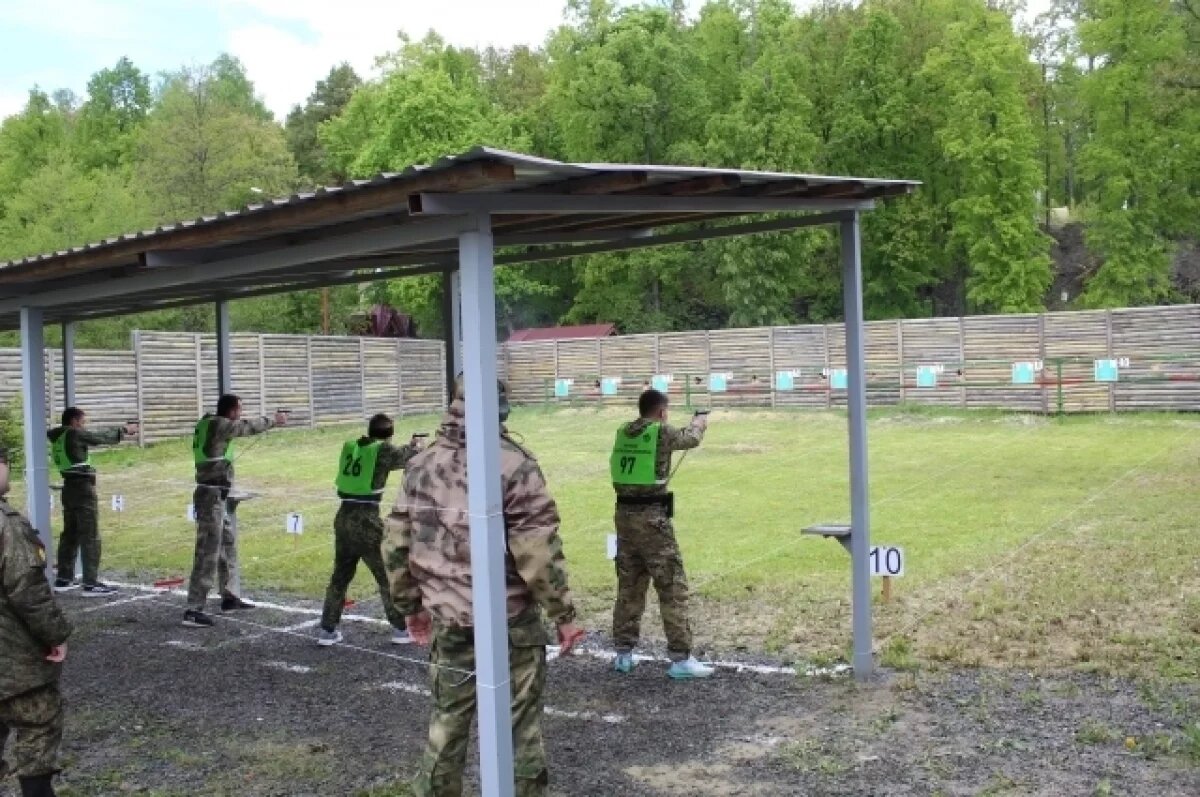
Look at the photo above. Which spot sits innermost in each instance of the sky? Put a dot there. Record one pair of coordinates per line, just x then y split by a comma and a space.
286, 45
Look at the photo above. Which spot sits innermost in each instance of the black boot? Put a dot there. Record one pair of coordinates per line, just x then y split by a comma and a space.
38, 786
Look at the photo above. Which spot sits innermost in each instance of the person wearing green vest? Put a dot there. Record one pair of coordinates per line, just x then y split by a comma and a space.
362, 474
640, 467
216, 544
69, 445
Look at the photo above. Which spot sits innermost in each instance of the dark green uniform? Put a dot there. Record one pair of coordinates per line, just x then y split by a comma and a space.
31, 711
358, 527
646, 547
216, 545
81, 529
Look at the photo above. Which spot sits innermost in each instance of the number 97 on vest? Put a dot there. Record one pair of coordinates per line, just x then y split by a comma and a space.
634, 457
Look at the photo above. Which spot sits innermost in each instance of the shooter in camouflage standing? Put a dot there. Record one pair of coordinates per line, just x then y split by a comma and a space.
427, 551
216, 546
362, 474
69, 450
646, 546
33, 636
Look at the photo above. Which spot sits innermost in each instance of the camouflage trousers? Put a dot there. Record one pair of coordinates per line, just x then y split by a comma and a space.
216, 547
80, 529
357, 535
452, 656
33, 721
647, 552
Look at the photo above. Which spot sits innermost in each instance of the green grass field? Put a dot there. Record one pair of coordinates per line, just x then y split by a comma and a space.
1034, 542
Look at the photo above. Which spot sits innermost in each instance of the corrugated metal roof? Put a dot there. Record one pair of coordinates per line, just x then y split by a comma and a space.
580, 332
530, 171
378, 228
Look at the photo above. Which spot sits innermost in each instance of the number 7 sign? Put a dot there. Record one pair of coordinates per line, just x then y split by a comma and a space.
295, 523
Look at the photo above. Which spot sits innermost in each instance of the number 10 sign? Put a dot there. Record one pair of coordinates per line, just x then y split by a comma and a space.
887, 560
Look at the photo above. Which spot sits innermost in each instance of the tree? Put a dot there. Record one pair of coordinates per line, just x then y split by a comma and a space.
29, 140
118, 102
327, 100
1134, 151
204, 149
987, 139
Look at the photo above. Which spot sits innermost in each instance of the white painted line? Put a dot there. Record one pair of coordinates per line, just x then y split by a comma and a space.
588, 716
179, 643
283, 665
551, 651
111, 604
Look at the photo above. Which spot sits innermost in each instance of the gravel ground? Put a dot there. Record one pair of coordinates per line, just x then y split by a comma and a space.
245, 709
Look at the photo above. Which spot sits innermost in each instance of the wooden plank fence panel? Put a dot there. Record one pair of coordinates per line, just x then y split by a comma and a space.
531, 372
992, 345
882, 352
745, 356
1162, 345
422, 376
337, 380
381, 387
286, 376
801, 349
169, 385
684, 356
932, 342
1082, 338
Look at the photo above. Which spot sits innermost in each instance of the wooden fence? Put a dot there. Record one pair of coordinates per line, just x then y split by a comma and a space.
1037, 363
168, 380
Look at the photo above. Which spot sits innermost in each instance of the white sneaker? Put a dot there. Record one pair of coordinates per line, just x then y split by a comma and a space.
400, 636
327, 638
689, 669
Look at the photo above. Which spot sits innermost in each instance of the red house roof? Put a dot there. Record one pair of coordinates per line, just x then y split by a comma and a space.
584, 331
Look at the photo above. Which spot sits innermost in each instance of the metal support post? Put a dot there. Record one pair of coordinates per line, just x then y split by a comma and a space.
856, 404
484, 507
68, 357
224, 352
33, 380
452, 321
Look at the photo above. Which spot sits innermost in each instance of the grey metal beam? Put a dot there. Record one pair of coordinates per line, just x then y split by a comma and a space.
687, 236
856, 404
224, 351
331, 248
485, 509
68, 357
427, 204
33, 384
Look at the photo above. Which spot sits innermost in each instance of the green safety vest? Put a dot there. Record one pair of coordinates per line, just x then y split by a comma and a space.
356, 468
200, 441
58, 452
633, 459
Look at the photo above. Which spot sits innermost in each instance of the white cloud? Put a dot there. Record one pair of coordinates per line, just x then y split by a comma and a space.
287, 45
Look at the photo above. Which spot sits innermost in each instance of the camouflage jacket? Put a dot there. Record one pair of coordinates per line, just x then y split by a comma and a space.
426, 544
78, 441
670, 440
30, 621
216, 471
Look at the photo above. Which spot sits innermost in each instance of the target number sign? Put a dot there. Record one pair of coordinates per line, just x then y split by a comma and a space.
118, 503
190, 512
295, 523
887, 560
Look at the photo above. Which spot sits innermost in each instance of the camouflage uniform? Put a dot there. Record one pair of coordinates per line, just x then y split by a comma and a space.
31, 710
80, 510
358, 534
427, 551
216, 544
647, 551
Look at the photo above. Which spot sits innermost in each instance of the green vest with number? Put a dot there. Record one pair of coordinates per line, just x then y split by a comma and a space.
634, 459
200, 442
58, 452
356, 468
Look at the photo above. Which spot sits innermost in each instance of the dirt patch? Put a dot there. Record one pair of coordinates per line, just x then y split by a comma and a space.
258, 710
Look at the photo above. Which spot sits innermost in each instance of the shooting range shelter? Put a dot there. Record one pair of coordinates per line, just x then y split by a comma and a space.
446, 218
